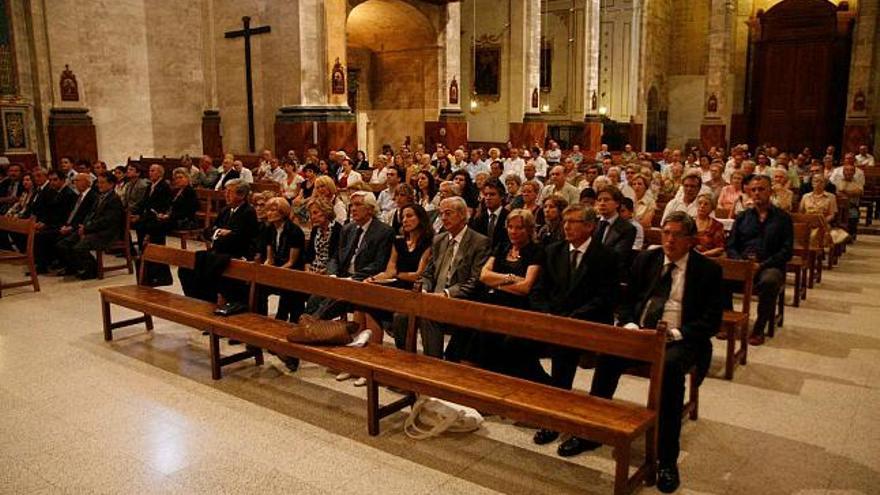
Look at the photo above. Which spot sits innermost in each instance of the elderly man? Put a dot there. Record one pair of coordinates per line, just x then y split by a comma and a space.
10, 187
864, 159
837, 173
628, 155
578, 280
275, 172
207, 175
244, 173
763, 234
683, 288
690, 186
557, 184
457, 256
135, 188
156, 200
227, 174
476, 165
102, 226
235, 229
848, 186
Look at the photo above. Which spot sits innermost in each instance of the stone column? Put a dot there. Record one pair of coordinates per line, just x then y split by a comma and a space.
716, 110
525, 48
212, 137
636, 81
861, 101
311, 114
592, 139
452, 128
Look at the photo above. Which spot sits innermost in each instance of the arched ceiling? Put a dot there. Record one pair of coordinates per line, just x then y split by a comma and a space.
382, 25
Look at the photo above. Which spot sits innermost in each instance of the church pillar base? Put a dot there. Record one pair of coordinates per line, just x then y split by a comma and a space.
857, 133
713, 134
528, 132
592, 140
212, 138
72, 133
451, 130
326, 128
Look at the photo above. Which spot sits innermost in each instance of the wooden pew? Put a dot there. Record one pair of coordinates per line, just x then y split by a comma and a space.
801, 264
123, 244
28, 229
735, 324
612, 422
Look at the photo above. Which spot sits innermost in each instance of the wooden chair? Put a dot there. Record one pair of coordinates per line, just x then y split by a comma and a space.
123, 244
735, 324
266, 185
817, 244
28, 228
653, 237
801, 261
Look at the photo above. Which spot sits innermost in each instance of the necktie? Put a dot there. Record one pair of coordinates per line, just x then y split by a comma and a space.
491, 230
600, 232
359, 236
79, 201
445, 267
657, 302
575, 255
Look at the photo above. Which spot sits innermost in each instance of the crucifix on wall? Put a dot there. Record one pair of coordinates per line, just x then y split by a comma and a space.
246, 33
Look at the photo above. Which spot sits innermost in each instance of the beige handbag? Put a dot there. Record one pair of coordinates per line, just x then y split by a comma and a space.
311, 330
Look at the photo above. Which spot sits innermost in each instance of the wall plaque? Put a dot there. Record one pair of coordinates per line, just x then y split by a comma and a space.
69, 86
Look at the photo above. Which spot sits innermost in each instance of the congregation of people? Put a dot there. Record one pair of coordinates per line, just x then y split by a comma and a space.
532, 227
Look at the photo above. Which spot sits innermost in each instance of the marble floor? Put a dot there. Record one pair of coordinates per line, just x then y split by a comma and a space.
142, 415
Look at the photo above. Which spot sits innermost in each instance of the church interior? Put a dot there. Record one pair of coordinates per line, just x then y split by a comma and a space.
142, 82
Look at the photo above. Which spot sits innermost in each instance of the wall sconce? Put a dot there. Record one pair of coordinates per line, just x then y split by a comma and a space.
474, 104
603, 110
545, 107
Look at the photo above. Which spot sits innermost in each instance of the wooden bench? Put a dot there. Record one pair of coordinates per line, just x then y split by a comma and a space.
211, 203
612, 422
735, 324
28, 229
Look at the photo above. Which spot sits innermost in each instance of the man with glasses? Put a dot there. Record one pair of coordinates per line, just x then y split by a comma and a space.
681, 287
690, 186
763, 234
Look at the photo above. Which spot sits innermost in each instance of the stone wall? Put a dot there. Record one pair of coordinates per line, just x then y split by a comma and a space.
688, 48
616, 59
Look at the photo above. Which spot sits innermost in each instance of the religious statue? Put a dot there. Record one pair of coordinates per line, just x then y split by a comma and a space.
859, 102
13, 122
338, 79
69, 86
453, 92
535, 98
594, 104
712, 105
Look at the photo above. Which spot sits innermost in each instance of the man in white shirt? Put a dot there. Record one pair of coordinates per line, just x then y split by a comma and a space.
244, 173
553, 153
514, 164
379, 177
557, 184
837, 173
386, 197
690, 186
476, 165
603, 153
275, 173
626, 213
864, 159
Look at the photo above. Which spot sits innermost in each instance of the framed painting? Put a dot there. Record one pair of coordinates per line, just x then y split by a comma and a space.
15, 135
487, 70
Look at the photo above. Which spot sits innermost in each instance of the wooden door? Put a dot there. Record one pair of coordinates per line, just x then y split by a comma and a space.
801, 69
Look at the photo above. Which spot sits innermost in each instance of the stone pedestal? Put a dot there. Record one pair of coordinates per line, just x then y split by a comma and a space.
72, 133
451, 129
713, 134
212, 139
327, 128
857, 133
592, 135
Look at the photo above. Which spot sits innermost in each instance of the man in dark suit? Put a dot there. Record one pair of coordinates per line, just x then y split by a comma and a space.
157, 199
101, 227
614, 232
683, 288
235, 229
135, 189
10, 187
227, 174
578, 280
457, 256
77, 208
491, 219
364, 249
62, 202
44, 198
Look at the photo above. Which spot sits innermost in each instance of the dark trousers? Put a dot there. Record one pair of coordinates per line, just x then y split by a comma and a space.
290, 304
680, 357
768, 282
432, 340
75, 253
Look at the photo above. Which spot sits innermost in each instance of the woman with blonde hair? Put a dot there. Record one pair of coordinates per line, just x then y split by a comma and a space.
325, 188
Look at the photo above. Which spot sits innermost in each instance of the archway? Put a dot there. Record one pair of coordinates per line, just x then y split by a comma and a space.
392, 56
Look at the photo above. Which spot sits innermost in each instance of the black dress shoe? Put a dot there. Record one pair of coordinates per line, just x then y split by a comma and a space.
575, 445
87, 275
291, 363
543, 437
667, 478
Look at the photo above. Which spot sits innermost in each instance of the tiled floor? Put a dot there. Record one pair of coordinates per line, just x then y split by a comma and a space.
141, 415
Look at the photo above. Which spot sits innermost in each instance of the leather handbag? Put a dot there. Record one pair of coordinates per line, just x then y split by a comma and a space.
430, 417
311, 330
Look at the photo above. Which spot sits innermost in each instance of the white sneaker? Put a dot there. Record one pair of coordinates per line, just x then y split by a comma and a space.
360, 382
361, 339
343, 376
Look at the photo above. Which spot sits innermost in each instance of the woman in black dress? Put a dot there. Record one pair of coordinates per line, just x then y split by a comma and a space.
509, 274
409, 257
284, 244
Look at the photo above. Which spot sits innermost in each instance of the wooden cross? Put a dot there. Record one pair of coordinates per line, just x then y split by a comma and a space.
246, 33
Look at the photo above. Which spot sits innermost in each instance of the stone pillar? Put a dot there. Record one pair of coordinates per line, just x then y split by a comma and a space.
636, 81
861, 101
451, 128
592, 137
212, 135
716, 110
311, 113
525, 59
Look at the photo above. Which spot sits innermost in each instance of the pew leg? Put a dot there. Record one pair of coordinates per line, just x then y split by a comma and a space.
148, 320
744, 343
372, 407
215, 357
731, 354
99, 254
694, 393
105, 314
621, 469
797, 288
258, 356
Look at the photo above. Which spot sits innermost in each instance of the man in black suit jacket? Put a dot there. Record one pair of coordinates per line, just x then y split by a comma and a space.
457, 256
235, 229
492, 218
614, 232
579, 280
157, 199
683, 288
101, 227
10, 187
364, 249
227, 173
71, 208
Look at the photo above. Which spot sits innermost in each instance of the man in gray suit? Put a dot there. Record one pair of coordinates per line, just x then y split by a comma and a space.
135, 188
457, 256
